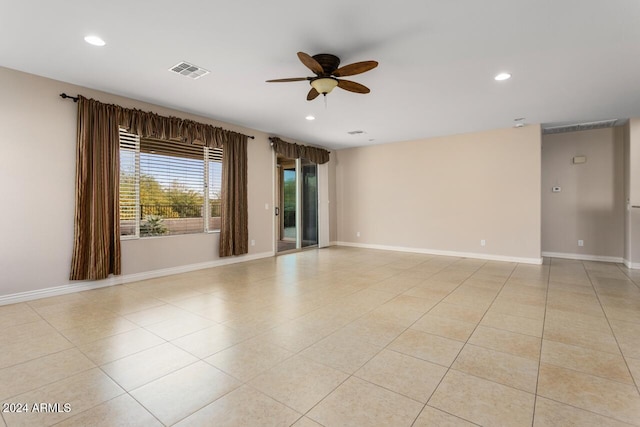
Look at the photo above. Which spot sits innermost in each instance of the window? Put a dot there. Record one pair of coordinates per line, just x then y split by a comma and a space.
168, 188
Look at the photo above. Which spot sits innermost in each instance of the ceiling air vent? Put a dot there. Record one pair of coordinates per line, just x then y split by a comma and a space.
574, 127
189, 70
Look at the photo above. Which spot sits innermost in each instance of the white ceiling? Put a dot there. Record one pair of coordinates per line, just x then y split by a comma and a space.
571, 60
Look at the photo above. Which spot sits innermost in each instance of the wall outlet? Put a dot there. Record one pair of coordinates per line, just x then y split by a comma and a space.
266, 206
253, 242
357, 234
483, 242
580, 242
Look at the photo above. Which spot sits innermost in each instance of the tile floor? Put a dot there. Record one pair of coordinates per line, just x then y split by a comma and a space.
330, 337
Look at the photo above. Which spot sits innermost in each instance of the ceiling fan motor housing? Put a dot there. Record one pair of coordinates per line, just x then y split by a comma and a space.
328, 62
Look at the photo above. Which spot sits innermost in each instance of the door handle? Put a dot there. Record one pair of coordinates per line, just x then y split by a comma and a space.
277, 211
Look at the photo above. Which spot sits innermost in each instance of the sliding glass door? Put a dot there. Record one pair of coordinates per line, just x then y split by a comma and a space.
297, 204
309, 178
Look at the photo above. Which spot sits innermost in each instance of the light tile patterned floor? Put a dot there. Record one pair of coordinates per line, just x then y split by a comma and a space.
335, 337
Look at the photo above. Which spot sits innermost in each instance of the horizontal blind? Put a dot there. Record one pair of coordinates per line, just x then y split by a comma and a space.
168, 187
172, 187
129, 178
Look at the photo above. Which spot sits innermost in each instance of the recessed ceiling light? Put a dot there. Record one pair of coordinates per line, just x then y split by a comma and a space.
502, 76
310, 118
94, 40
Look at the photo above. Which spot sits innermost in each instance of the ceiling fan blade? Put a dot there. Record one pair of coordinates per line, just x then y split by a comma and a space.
313, 94
293, 79
353, 86
355, 68
310, 63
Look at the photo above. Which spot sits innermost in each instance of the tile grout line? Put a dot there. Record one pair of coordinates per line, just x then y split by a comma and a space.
381, 350
51, 382
107, 401
127, 392
590, 374
624, 358
597, 414
96, 366
571, 405
76, 347
363, 315
466, 342
349, 375
544, 321
382, 347
198, 409
294, 354
459, 351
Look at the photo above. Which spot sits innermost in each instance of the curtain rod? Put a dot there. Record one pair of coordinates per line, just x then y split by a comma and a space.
75, 99
65, 96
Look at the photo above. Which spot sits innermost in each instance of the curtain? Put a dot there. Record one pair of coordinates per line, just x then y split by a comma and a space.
96, 245
234, 228
295, 151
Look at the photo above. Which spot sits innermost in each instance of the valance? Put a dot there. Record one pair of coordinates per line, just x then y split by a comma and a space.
294, 151
151, 125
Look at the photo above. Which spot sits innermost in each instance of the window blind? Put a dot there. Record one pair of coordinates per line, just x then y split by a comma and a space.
214, 173
129, 183
168, 187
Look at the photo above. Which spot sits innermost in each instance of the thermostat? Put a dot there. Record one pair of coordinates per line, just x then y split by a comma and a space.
578, 160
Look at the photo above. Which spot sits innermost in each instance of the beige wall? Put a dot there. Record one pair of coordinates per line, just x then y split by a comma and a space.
634, 161
445, 194
37, 173
333, 201
627, 184
632, 192
591, 205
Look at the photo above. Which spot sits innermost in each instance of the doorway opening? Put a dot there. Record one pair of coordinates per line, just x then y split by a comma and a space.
296, 204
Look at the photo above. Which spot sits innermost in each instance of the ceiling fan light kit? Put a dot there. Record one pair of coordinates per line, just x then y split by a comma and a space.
324, 85
325, 67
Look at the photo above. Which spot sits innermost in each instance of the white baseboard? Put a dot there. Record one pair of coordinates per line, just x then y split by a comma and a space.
128, 278
583, 257
632, 265
56, 290
489, 257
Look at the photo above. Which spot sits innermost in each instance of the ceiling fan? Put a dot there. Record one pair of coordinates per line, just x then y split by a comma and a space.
325, 67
